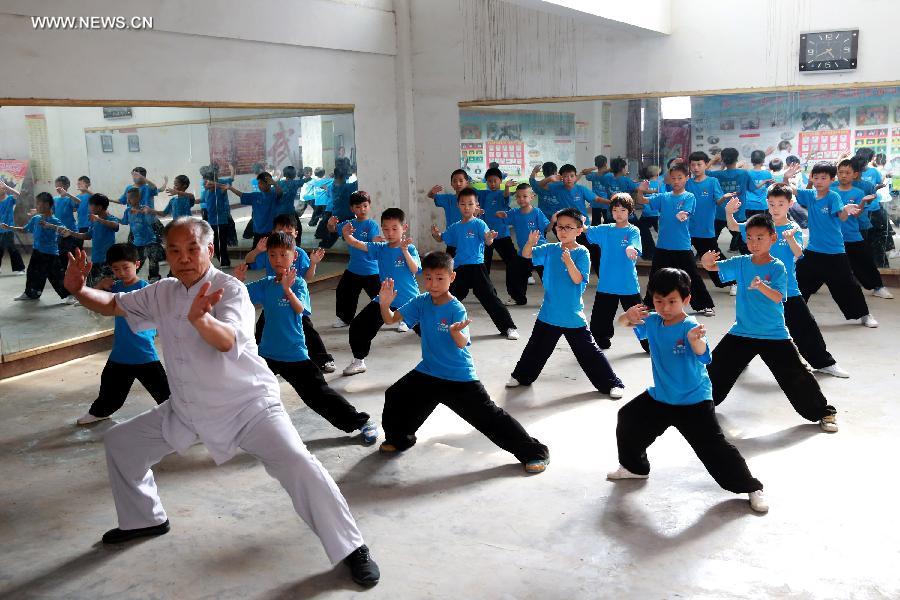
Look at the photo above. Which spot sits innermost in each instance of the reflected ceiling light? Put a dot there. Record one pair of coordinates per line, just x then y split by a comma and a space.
676, 107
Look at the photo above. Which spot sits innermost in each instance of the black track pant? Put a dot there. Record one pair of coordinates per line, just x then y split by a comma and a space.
116, 381
863, 266
8, 244
603, 315
806, 334
347, 293
684, 260
41, 267
365, 327
475, 278
506, 250
816, 268
315, 347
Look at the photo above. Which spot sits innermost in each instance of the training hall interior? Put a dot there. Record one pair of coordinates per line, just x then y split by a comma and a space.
644, 340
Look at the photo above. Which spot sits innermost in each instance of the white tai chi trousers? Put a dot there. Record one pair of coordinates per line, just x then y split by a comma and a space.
136, 445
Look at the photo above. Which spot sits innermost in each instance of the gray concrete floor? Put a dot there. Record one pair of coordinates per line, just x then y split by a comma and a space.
455, 517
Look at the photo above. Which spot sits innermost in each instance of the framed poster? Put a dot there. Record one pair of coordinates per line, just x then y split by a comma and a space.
106, 142
824, 144
134, 143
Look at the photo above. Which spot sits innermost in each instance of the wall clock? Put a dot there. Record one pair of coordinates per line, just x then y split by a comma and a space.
827, 51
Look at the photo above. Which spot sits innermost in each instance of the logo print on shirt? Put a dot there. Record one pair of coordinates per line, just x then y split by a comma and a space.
679, 347
443, 326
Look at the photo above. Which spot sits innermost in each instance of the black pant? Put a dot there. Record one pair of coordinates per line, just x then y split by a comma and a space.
99, 271
152, 254
816, 268
8, 243
644, 419
805, 332
326, 238
863, 266
880, 237
41, 267
588, 354
600, 215
522, 269
365, 327
506, 250
476, 278
315, 347
732, 355
603, 315
648, 244
220, 244
704, 245
116, 381
316, 215
309, 383
414, 397
347, 293
451, 250
684, 260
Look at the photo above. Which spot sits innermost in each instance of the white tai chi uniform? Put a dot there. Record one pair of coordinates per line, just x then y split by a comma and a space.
227, 400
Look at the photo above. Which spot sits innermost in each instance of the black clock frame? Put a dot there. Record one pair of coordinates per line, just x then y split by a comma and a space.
854, 51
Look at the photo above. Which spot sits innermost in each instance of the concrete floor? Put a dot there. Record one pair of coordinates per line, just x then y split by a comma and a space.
456, 518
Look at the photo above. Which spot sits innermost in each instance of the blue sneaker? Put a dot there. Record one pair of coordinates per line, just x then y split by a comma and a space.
369, 433
537, 466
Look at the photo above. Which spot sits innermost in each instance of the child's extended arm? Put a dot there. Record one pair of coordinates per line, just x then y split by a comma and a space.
489, 237
708, 260
849, 210
64, 192
574, 274
229, 187
411, 263
386, 295
347, 232
768, 292
639, 197
156, 187
634, 316
732, 207
533, 238
456, 332
548, 180
8, 190
788, 235
509, 184
261, 247
696, 339
434, 191
436, 233
332, 224
314, 259
287, 280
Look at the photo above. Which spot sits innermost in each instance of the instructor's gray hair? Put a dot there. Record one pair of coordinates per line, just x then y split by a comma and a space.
201, 228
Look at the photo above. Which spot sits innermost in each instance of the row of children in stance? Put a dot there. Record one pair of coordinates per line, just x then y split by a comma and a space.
689, 378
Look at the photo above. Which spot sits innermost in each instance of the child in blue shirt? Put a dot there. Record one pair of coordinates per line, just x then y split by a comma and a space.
147, 189
262, 203
704, 226
218, 212
620, 247
760, 179
446, 375
571, 195
600, 178
649, 219
8, 197
825, 258
469, 236
317, 194
788, 249
64, 208
362, 268
459, 179
44, 263
673, 248
493, 200
133, 355
397, 260
102, 234
283, 345
681, 395
760, 330
548, 203
617, 181
181, 200
81, 201
523, 219
144, 234
289, 187
566, 270
733, 181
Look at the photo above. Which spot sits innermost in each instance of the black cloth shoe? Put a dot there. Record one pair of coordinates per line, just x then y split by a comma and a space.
362, 568
117, 536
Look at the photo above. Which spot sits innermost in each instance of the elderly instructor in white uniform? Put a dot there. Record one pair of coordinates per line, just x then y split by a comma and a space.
223, 394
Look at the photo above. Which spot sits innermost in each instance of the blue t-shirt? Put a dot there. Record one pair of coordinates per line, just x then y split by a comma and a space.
340, 199
702, 223
598, 186
46, 240
673, 234
618, 274
824, 224
7, 211
493, 201
301, 263
102, 237
733, 181
868, 189
468, 239
620, 184
130, 348
679, 375
578, 197
84, 211
218, 207
178, 206
262, 209
320, 192
782, 251
872, 175
657, 185
147, 195
141, 226
547, 200
850, 229
756, 315
756, 197
362, 263
391, 263
289, 189
282, 336
562, 305
450, 205
524, 223
64, 210
441, 357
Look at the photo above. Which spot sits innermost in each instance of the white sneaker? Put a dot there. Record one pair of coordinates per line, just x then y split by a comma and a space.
894, 254
617, 393
339, 324
828, 423
623, 473
22, 273
733, 291
72, 301
329, 367
512, 334
510, 302
531, 280
883, 292
88, 418
402, 327
835, 371
758, 501
869, 321
356, 367
22, 297
513, 382
707, 312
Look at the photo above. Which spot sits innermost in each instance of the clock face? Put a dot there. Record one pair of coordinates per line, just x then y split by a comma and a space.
829, 50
